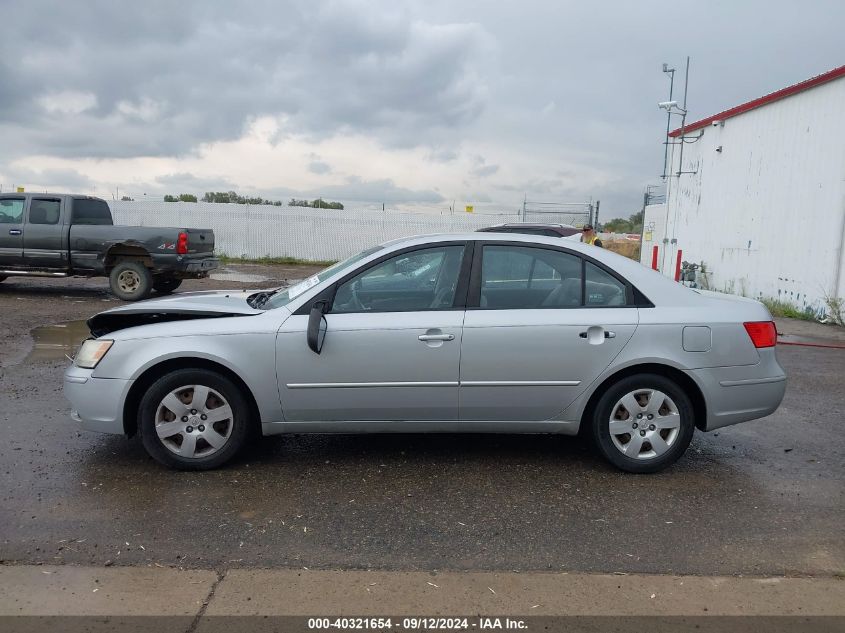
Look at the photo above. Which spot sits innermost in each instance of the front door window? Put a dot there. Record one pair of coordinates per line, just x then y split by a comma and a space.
424, 279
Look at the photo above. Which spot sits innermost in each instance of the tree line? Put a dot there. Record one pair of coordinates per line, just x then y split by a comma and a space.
319, 203
634, 224
232, 197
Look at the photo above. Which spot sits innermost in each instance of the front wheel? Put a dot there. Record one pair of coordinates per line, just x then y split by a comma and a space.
131, 280
643, 423
193, 419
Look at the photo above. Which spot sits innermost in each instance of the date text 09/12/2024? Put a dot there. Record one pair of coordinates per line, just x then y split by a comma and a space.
417, 623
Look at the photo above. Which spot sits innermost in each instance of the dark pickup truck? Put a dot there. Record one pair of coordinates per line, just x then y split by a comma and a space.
66, 235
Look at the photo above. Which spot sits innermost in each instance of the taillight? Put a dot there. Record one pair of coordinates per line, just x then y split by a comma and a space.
182, 244
762, 333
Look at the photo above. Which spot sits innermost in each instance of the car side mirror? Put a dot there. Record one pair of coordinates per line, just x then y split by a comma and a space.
317, 326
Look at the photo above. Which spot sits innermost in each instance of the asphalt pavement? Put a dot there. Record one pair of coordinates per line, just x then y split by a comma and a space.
762, 498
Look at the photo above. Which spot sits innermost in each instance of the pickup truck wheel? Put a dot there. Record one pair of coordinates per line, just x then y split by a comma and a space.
166, 285
193, 419
131, 280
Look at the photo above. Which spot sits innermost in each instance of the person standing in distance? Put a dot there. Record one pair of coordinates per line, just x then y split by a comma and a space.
589, 236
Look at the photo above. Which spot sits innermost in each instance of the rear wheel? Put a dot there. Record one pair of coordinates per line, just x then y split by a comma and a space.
131, 280
643, 423
193, 419
166, 285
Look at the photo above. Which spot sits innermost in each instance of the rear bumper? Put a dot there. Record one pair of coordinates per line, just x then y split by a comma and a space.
184, 267
204, 265
739, 394
97, 403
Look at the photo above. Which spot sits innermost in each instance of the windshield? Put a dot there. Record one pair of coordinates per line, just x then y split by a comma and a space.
283, 297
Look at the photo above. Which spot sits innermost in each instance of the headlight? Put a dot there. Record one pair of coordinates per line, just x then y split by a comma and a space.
91, 352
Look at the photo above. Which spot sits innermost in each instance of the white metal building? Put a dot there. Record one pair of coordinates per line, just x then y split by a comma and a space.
763, 204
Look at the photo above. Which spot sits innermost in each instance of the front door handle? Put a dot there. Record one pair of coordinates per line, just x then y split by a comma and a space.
607, 334
15, 231
436, 337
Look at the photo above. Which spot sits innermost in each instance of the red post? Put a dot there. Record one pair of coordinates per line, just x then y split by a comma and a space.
678, 265
654, 258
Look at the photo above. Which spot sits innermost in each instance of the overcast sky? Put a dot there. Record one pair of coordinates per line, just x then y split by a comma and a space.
405, 102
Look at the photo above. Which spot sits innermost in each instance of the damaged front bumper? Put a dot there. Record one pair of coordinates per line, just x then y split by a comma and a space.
97, 403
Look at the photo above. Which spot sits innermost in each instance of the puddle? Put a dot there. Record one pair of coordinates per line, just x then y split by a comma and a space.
52, 342
231, 275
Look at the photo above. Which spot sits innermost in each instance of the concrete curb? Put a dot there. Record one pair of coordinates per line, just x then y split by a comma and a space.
113, 591
105, 591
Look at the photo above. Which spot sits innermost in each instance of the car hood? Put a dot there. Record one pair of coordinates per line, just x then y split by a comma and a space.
179, 307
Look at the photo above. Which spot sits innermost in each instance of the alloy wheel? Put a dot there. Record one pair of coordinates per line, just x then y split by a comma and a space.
194, 421
644, 424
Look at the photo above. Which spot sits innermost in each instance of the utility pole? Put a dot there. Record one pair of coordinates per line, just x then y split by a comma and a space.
671, 73
646, 196
672, 108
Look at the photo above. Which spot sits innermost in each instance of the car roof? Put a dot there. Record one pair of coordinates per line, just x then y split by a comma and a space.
528, 225
481, 236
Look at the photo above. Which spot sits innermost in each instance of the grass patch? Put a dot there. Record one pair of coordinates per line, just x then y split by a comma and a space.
628, 248
275, 261
787, 310
835, 309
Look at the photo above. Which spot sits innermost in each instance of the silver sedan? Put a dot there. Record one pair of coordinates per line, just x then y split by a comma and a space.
479, 333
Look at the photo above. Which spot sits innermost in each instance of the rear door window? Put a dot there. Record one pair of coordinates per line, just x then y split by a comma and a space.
86, 211
520, 277
602, 288
44, 211
11, 210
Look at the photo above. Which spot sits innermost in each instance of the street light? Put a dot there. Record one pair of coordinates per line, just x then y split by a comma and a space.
672, 107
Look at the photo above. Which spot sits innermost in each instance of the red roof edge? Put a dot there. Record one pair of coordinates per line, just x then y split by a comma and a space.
769, 98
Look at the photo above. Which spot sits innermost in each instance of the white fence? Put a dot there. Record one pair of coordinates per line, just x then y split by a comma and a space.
316, 234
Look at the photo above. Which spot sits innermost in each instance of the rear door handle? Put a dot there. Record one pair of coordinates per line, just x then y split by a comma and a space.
436, 337
607, 334
15, 231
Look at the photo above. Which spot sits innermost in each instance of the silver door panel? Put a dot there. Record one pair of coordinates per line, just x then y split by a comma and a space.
531, 364
373, 366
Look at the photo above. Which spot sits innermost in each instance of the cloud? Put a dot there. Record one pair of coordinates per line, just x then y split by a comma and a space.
442, 155
358, 190
481, 169
159, 78
404, 96
186, 182
68, 102
319, 167
56, 180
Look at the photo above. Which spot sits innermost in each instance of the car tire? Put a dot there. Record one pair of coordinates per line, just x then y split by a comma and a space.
187, 441
631, 440
130, 280
166, 285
